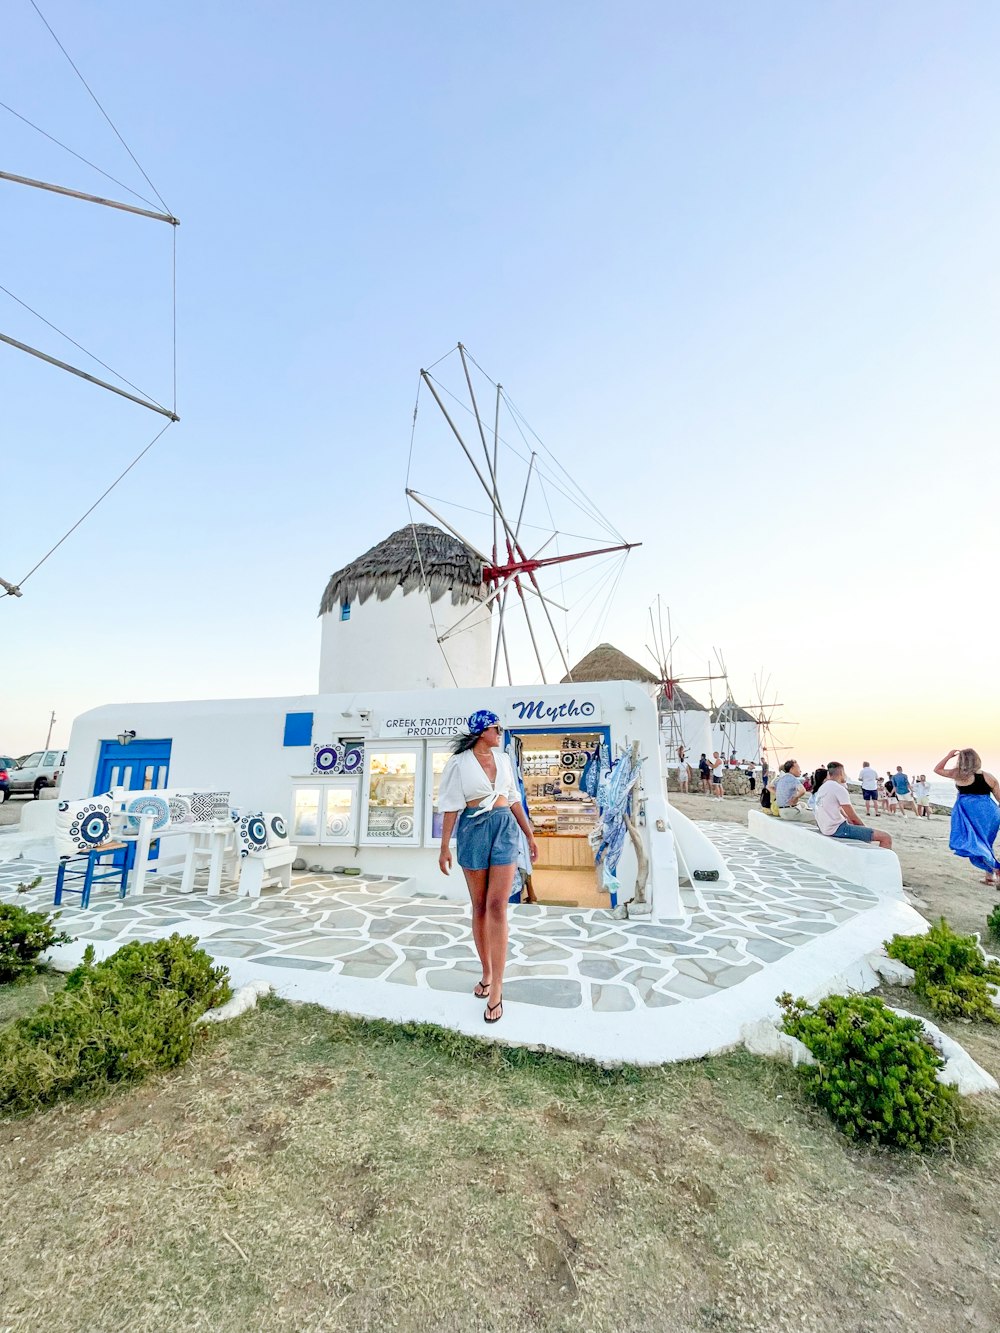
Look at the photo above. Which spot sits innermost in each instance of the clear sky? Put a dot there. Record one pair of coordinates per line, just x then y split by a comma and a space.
736, 263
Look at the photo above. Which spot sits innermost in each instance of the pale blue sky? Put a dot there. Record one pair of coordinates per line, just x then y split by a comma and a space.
735, 262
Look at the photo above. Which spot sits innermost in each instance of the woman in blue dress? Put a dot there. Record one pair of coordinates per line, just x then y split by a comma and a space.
975, 818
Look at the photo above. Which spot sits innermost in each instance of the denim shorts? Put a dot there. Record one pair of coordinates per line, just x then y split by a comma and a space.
855, 832
487, 840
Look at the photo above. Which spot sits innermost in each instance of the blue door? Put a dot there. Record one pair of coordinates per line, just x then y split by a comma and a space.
140, 766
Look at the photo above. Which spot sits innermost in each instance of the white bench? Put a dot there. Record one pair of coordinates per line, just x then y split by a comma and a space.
271, 867
858, 862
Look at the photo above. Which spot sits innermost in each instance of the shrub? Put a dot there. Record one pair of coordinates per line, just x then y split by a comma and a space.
993, 922
115, 1022
23, 936
951, 973
876, 1073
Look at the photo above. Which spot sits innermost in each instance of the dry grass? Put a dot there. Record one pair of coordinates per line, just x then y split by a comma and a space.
311, 1172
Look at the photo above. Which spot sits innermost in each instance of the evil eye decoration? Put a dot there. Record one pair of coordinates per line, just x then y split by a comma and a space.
354, 757
64, 806
328, 759
93, 828
337, 826
279, 828
252, 832
180, 810
149, 805
569, 778
568, 760
402, 825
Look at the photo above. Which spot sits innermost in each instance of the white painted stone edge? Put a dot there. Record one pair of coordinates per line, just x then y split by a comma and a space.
960, 1070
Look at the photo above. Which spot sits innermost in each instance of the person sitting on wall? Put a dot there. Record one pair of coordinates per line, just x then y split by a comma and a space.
835, 814
479, 792
790, 792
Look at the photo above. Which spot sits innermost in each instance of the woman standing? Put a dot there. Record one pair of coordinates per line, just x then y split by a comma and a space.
718, 768
975, 818
479, 791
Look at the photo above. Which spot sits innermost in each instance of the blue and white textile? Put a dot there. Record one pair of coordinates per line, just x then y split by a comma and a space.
480, 720
975, 822
614, 801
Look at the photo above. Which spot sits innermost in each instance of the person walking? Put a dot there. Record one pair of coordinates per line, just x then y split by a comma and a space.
683, 771
479, 793
718, 768
975, 818
904, 796
869, 788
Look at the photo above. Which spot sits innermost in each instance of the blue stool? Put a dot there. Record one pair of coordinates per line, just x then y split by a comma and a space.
87, 866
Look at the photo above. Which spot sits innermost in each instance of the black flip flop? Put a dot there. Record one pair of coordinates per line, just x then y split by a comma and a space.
482, 990
489, 1009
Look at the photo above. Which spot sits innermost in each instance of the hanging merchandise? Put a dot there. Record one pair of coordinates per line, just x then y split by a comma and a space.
614, 798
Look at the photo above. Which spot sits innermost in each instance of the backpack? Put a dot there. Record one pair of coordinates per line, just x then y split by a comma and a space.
765, 799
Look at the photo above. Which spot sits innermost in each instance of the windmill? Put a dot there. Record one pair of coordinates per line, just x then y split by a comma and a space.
671, 686
547, 502
767, 722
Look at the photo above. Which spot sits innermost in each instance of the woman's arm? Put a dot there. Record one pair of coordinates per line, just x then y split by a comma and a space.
517, 810
943, 772
447, 826
994, 784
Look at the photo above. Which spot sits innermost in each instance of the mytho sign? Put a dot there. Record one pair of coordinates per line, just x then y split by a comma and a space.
537, 709
421, 726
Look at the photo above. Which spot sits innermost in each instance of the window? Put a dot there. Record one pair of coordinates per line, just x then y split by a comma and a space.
305, 814
391, 812
30, 760
345, 610
436, 760
50, 759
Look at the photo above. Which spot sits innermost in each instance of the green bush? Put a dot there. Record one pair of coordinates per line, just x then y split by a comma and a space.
116, 1022
951, 973
876, 1072
23, 936
993, 922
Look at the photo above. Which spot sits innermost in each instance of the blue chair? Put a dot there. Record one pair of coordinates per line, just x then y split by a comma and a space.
89, 867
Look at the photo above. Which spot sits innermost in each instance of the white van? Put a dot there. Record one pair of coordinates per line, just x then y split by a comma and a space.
41, 768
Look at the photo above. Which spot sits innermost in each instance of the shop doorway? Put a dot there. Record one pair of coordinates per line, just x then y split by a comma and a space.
562, 814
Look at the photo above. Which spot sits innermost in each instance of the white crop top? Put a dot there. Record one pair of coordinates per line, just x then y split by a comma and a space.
464, 779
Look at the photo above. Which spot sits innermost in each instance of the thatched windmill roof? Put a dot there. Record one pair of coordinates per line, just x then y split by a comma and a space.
683, 702
730, 711
606, 662
442, 564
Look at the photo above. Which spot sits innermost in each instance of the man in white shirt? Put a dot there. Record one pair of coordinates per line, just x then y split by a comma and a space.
869, 788
836, 816
921, 794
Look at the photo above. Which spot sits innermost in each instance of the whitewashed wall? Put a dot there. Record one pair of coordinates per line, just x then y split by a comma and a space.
393, 645
236, 745
743, 737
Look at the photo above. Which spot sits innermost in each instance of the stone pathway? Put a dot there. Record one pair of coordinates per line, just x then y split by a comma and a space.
560, 957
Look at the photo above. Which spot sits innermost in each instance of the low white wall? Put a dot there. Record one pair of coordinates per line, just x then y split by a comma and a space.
859, 863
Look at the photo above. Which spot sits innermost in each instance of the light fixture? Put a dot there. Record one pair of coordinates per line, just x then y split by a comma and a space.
125, 736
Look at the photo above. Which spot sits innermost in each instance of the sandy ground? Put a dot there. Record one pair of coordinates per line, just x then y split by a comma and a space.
941, 883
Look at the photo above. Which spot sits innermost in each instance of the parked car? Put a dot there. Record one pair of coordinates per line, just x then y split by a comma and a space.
6, 764
32, 772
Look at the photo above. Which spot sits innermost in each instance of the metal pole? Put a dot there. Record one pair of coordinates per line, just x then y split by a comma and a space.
454, 531
89, 198
52, 720
479, 423
11, 589
496, 437
92, 379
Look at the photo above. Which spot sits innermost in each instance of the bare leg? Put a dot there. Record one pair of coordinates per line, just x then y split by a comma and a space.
882, 839
476, 881
501, 880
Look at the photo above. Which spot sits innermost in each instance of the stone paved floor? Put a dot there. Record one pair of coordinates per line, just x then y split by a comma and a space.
560, 957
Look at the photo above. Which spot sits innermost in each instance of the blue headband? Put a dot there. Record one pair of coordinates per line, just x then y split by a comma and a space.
478, 722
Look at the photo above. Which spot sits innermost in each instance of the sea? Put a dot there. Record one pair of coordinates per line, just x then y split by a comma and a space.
942, 791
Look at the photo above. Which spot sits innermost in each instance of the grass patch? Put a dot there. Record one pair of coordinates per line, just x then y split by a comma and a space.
316, 1172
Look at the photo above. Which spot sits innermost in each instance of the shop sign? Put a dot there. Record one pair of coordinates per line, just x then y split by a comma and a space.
421, 726
538, 709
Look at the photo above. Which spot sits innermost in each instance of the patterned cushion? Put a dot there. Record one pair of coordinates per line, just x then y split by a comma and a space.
251, 833
195, 807
148, 803
277, 830
84, 824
